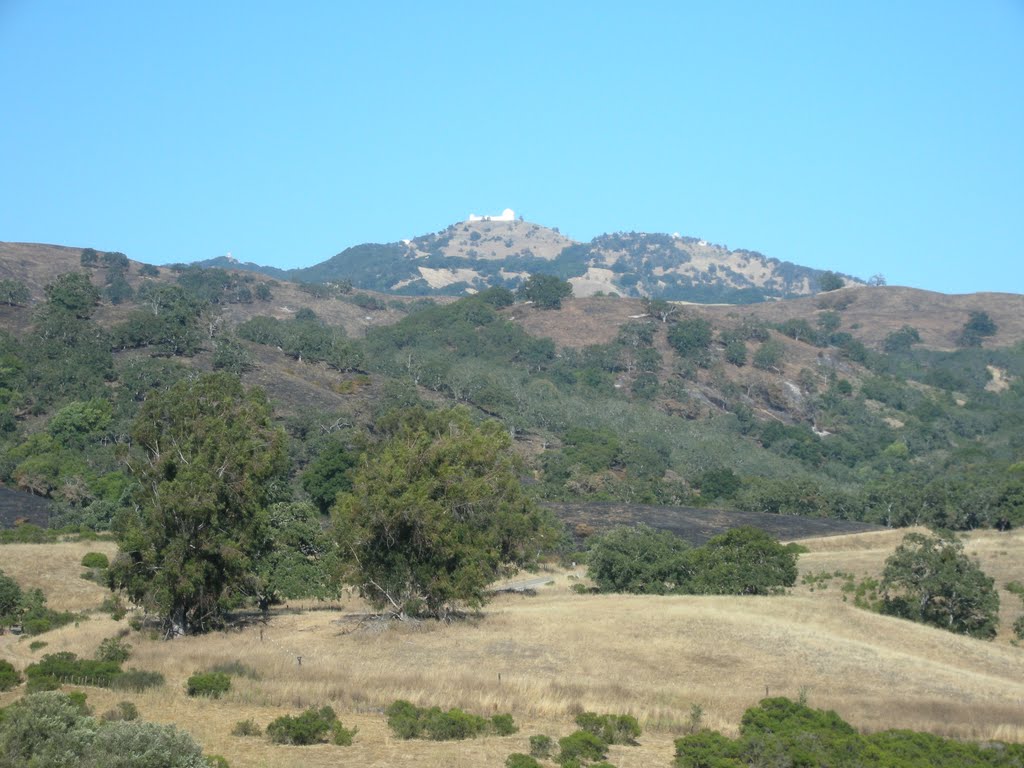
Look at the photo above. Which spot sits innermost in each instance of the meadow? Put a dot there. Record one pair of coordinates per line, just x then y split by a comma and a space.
546, 656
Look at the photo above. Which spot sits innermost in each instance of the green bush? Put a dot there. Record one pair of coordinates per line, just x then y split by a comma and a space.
341, 736
410, 722
580, 746
404, 719
52, 729
136, 680
1018, 628
217, 761
41, 683
211, 684
143, 745
783, 732
95, 560
541, 745
66, 667
504, 725
519, 760
452, 725
36, 645
611, 729
247, 728
113, 605
125, 711
311, 727
706, 749
9, 676
114, 649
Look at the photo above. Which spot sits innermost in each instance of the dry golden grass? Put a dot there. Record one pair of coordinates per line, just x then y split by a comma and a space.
56, 569
545, 658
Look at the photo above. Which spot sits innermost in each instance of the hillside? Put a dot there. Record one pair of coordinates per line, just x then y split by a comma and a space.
546, 657
810, 416
796, 403
479, 253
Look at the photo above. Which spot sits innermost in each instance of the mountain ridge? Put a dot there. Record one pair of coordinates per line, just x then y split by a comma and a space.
473, 255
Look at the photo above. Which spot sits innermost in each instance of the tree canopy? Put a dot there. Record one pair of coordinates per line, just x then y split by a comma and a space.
929, 579
210, 463
642, 560
436, 513
545, 291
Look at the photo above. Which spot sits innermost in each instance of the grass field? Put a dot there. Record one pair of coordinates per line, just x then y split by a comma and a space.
545, 657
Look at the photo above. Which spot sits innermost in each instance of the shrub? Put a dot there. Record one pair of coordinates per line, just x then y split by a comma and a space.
35, 645
9, 676
706, 748
211, 684
409, 722
1018, 628
125, 711
217, 761
143, 745
113, 605
247, 728
311, 727
452, 725
114, 649
541, 745
519, 760
95, 560
42, 683
579, 746
342, 736
66, 667
504, 725
611, 729
404, 719
136, 680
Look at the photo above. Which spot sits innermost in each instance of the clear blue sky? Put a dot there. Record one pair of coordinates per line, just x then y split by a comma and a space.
862, 137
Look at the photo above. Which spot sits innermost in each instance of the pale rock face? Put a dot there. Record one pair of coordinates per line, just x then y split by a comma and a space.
507, 215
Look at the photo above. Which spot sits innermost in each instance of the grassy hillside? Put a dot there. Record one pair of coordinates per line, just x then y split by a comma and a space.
558, 653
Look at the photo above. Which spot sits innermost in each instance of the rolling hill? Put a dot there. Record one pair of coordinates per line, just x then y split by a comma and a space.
473, 255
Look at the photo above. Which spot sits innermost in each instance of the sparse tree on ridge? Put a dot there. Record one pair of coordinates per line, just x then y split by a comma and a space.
545, 291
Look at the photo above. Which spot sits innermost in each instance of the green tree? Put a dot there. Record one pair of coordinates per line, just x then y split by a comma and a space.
301, 561
436, 513
736, 352
329, 473
769, 355
10, 600
545, 291
743, 561
14, 293
690, 336
73, 293
931, 580
902, 340
978, 326
211, 462
639, 559
830, 281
